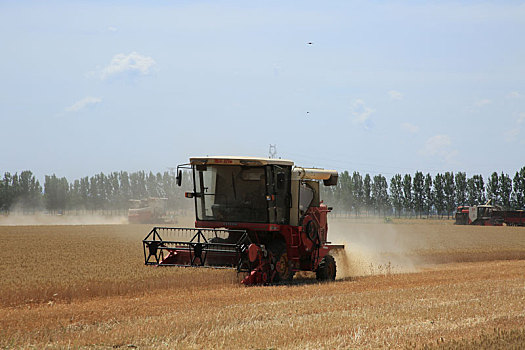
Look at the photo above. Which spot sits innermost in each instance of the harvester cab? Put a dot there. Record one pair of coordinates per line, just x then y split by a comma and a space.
261, 216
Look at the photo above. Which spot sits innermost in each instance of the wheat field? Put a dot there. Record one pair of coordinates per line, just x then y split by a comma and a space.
415, 283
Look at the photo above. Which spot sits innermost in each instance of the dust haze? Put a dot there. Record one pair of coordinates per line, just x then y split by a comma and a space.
43, 219
371, 248
84, 219
374, 247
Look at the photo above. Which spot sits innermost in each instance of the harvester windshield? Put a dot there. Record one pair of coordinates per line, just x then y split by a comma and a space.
231, 193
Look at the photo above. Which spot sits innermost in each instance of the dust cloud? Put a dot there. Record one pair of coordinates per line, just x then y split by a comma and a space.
370, 249
43, 219
179, 220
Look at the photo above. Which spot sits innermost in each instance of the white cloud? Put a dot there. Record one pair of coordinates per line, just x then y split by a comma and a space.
515, 94
83, 103
440, 146
479, 104
482, 102
411, 128
112, 29
521, 118
395, 95
436, 145
361, 113
132, 63
512, 134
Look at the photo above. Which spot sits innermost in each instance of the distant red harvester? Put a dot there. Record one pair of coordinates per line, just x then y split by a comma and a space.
148, 211
260, 216
489, 215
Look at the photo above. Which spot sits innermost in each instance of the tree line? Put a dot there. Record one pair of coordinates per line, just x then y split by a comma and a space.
423, 195
404, 195
22, 192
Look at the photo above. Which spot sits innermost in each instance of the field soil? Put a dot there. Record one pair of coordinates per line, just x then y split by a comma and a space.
411, 283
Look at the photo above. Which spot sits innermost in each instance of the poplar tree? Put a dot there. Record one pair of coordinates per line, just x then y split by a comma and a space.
461, 188
345, 191
358, 193
407, 194
476, 190
418, 189
367, 193
505, 190
380, 193
518, 190
493, 189
428, 196
449, 189
439, 194
396, 193
55, 193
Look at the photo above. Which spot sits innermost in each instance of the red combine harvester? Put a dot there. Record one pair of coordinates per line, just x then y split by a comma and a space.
260, 216
148, 211
489, 215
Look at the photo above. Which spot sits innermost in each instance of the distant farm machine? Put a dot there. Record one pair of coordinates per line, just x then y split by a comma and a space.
152, 210
489, 215
259, 216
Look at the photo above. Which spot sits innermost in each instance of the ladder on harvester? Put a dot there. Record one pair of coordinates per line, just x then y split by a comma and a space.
294, 249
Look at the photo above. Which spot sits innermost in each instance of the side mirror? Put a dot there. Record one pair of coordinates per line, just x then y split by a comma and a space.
179, 178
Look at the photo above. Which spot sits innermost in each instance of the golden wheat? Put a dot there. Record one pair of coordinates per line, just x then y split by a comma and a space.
86, 286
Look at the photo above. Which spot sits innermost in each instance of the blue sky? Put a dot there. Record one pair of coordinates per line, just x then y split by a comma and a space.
385, 87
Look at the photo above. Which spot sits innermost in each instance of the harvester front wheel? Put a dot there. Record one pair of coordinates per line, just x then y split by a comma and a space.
327, 269
283, 266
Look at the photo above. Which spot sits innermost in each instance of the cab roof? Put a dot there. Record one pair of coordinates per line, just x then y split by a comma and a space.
236, 160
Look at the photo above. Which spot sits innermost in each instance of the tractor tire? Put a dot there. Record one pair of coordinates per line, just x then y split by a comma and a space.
283, 266
327, 269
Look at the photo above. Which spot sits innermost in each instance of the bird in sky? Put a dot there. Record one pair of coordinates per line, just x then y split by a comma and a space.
310, 43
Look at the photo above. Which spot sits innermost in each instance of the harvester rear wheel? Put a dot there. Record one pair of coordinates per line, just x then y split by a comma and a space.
327, 269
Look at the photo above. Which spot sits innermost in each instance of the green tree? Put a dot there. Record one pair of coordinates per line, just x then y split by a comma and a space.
396, 193
152, 186
358, 192
380, 193
94, 193
7, 193
367, 193
428, 199
125, 190
15, 188
55, 193
505, 190
418, 192
75, 196
408, 202
29, 192
493, 189
449, 189
461, 188
476, 190
84, 192
137, 182
345, 192
439, 194
518, 191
